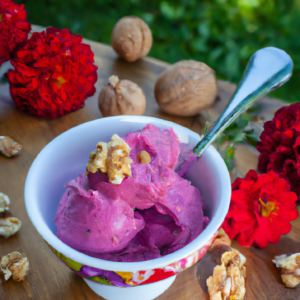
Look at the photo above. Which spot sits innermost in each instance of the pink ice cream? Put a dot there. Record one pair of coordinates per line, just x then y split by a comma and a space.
153, 213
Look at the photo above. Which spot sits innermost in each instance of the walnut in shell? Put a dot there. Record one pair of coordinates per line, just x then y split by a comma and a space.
14, 265
228, 279
121, 97
131, 38
9, 147
185, 88
290, 268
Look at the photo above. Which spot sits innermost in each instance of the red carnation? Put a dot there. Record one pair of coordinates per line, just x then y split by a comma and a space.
261, 209
280, 145
54, 74
14, 29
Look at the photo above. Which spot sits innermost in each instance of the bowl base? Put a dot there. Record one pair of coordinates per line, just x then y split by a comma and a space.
143, 292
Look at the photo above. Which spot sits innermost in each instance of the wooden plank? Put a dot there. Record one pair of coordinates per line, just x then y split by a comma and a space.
48, 278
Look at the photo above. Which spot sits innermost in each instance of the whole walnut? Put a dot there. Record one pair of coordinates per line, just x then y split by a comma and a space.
121, 97
131, 38
185, 88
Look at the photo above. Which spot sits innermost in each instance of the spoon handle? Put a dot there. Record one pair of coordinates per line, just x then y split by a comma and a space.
267, 69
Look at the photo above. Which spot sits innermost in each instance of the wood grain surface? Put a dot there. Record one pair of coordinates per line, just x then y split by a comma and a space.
48, 278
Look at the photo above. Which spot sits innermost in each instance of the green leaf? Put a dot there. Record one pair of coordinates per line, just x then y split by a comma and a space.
4, 79
239, 137
229, 157
205, 128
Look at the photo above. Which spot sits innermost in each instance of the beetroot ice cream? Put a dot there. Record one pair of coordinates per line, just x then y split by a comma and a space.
133, 204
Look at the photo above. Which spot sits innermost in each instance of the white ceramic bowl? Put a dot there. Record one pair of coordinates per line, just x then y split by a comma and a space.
65, 158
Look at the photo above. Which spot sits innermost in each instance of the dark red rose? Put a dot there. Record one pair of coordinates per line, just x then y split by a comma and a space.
14, 29
54, 74
261, 209
280, 145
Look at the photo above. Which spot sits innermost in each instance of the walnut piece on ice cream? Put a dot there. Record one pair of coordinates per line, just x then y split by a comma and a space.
228, 279
14, 265
9, 226
118, 162
4, 202
290, 268
111, 158
144, 158
9, 147
98, 159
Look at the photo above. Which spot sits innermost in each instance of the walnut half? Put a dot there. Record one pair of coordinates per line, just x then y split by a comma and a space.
221, 239
111, 158
290, 268
14, 265
98, 159
118, 162
4, 202
9, 226
228, 279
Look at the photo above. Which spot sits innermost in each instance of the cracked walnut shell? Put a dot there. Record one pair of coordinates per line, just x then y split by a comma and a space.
185, 88
9, 147
131, 38
121, 97
290, 268
14, 265
228, 279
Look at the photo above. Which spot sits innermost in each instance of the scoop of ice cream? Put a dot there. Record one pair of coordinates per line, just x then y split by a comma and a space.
160, 231
89, 221
162, 145
152, 213
183, 202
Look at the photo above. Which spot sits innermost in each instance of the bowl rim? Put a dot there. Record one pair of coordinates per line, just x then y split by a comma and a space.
32, 207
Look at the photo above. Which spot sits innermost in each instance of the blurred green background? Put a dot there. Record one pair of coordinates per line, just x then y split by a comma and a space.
221, 33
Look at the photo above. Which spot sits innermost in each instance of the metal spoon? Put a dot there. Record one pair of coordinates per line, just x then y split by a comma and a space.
267, 69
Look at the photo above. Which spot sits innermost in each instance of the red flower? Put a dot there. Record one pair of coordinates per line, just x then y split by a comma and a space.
14, 29
261, 209
54, 74
280, 145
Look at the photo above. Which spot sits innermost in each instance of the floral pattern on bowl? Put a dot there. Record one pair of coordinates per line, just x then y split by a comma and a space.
129, 279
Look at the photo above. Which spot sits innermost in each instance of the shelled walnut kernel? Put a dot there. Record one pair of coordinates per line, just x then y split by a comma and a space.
4, 202
14, 265
118, 162
290, 268
144, 158
228, 279
98, 159
111, 158
9, 226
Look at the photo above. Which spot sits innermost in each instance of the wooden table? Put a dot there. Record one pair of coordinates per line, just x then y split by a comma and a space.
49, 279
